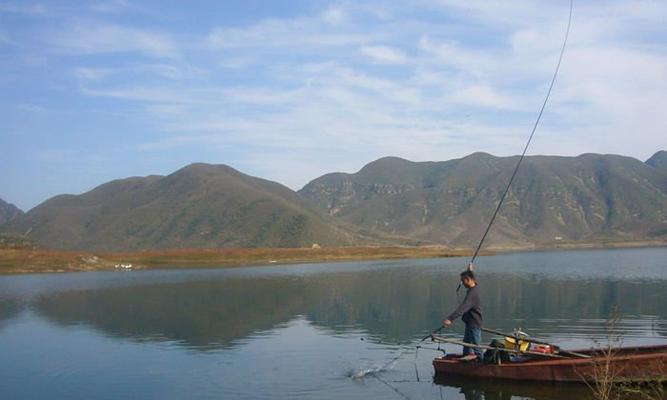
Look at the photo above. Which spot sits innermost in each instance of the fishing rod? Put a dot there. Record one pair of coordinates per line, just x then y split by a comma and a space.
530, 138
378, 341
406, 345
430, 335
525, 149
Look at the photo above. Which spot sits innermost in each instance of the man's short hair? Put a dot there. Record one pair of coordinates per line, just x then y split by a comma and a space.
468, 274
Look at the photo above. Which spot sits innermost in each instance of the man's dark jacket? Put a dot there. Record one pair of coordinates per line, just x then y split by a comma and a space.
471, 309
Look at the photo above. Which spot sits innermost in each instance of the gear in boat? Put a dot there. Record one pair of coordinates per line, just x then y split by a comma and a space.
522, 358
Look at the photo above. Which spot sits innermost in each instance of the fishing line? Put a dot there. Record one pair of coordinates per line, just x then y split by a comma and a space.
530, 138
416, 369
502, 198
394, 389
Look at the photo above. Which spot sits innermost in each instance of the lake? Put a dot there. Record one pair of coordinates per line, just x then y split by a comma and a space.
310, 331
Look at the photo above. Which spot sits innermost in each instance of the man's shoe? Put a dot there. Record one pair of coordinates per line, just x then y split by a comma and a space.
469, 357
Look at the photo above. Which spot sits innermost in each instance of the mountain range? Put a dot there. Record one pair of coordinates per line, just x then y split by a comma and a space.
589, 198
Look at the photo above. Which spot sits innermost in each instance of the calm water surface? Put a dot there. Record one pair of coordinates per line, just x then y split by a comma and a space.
311, 331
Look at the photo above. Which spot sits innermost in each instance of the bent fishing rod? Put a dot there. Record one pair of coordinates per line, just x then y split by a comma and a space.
523, 154
530, 138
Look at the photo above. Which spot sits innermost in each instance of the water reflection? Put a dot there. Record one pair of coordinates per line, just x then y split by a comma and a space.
294, 331
199, 314
396, 305
9, 309
475, 389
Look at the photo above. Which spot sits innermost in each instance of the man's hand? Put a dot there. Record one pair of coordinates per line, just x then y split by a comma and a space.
471, 267
446, 323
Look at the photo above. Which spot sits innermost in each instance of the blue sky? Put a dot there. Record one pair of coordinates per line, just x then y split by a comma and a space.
288, 91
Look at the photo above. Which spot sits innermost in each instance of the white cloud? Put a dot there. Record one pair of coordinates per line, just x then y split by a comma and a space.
292, 33
30, 108
481, 95
110, 7
99, 38
176, 71
92, 73
149, 94
384, 54
499, 13
333, 15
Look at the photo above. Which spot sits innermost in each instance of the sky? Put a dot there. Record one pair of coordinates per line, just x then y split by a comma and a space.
291, 90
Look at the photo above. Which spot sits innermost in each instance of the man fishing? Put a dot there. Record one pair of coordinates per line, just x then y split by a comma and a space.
471, 312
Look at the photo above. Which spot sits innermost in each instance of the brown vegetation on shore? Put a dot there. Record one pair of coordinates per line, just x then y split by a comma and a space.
607, 382
29, 260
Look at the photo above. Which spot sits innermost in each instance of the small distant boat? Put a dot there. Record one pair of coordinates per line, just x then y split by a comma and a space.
637, 364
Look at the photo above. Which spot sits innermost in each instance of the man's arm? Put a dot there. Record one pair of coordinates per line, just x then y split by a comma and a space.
468, 303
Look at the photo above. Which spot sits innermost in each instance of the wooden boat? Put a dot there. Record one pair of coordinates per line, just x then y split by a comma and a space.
640, 363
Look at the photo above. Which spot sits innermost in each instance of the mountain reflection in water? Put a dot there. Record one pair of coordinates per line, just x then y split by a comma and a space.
395, 305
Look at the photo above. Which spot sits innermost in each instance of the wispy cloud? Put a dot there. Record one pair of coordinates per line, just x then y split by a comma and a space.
150, 94
481, 95
99, 38
333, 15
31, 108
92, 73
319, 31
384, 54
110, 7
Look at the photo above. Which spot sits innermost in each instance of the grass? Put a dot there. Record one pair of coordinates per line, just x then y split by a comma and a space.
29, 260
19, 261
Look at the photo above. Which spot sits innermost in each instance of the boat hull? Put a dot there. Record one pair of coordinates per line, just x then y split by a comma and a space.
647, 363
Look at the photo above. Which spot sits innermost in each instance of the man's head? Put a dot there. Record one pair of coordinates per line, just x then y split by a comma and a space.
468, 279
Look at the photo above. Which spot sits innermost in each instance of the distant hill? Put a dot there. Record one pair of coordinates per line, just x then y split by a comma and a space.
586, 198
8, 212
200, 205
658, 160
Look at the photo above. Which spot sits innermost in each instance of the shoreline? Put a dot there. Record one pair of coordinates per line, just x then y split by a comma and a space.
600, 245
14, 261
28, 261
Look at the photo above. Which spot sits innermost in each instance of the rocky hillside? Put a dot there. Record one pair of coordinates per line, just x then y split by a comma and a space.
586, 198
198, 206
8, 212
658, 160
589, 198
